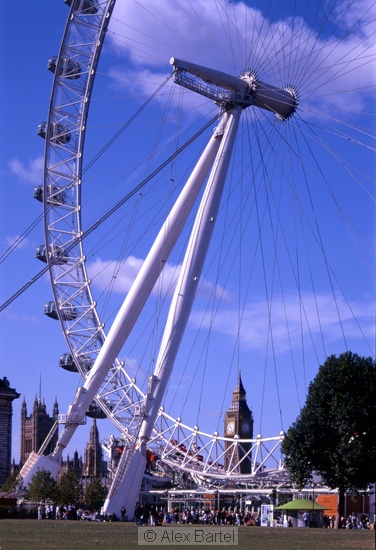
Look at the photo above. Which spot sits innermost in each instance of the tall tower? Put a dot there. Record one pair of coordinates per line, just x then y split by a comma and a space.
238, 422
93, 454
7, 395
36, 427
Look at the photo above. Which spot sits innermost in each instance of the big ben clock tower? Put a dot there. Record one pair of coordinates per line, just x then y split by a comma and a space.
238, 422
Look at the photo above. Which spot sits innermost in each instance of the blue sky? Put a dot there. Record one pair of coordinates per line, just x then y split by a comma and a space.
315, 176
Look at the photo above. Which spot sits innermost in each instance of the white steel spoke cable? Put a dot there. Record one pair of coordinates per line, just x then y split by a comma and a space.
348, 222
295, 273
331, 273
321, 244
335, 69
17, 242
260, 217
280, 229
133, 217
90, 164
313, 53
325, 126
219, 255
269, 289
291, 44
108, 214
312, 134
301, 230
327, 189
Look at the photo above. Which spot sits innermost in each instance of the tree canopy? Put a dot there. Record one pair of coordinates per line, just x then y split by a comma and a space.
95, 493
12, 483
335, 432
42, 487
69, 488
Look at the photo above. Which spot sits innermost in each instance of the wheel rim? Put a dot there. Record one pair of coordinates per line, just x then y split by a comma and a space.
120, 397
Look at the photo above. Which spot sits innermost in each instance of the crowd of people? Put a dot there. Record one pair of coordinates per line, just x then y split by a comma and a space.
349, 522
72, 512
145, 515
352, 522
149, 515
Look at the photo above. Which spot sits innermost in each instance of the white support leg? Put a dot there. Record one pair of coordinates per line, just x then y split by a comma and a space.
138, 294
127, 492
185, 292
190, 274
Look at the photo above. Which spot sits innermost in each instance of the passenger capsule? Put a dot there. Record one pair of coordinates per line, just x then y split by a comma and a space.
67, 68
68, 313
84, 6
55, 194
66, 362
94, 411
56, 253
59, 132
50, 310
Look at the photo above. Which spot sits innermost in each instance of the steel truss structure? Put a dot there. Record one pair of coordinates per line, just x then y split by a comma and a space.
142, 422
118, 395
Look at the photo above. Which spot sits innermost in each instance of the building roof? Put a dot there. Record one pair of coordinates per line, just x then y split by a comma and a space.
301, 504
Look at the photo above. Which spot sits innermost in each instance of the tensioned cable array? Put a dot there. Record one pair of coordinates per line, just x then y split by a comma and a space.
110, 212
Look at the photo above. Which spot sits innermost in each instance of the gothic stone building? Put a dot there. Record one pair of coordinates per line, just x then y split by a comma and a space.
7, 395
93, 462
36, 427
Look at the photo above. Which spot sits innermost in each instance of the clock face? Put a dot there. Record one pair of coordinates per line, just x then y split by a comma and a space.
245, 428
230, 428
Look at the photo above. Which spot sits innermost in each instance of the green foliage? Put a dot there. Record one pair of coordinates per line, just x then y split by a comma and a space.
335, 433
95, 493
42, 487
69, 489
12, 483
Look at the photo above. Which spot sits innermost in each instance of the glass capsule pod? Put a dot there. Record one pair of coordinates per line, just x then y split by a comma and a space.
85, 6
57, 253
59, 132
55, 194
67, 314
67, 68
94, 411
66, 362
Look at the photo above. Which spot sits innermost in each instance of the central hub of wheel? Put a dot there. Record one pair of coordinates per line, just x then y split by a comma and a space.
247, 90
281, 101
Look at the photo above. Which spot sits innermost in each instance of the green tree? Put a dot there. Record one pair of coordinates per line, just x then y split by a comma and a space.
12, 483
95, 493
335, 433
69, 489
42, 487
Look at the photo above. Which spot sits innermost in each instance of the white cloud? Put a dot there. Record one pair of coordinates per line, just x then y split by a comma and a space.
14, 241
106, 273
233, 37
23, 318
292, 320
32, 172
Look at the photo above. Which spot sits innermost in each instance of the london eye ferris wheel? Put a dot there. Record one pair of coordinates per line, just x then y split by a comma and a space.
202, 216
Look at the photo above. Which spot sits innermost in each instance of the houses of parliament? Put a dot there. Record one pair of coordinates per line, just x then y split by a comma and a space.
33, 431
37, 425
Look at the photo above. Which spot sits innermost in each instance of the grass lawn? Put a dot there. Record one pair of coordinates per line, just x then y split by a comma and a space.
79, 535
